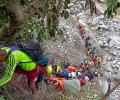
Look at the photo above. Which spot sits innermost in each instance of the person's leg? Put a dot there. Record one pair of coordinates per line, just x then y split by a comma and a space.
39, 80
17, 72
23, 79
32, 86
14, 83
33, 89
32, 79
13, 80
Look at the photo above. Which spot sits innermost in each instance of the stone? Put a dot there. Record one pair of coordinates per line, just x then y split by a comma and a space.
111, 44
118, 1
68, 10
104, 27
118, 47
118, 63
112, 97
105, 44
71, 4
114, 62
100, 43
73, 1
108, 58
115, 39
109, 69
114, 53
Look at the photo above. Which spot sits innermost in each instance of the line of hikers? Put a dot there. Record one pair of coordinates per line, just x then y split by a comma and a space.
84, 72
20, 62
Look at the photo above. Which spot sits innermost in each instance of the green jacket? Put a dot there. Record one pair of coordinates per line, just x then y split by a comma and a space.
12, 61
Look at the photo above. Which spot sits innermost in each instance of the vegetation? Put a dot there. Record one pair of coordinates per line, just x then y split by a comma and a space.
112, 6
17, 15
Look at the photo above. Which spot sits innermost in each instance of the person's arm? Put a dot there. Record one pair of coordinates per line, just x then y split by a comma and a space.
61, 87
52, 79
9, 71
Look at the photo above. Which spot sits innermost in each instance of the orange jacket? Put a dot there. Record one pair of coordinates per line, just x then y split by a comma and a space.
71, 69
60, 82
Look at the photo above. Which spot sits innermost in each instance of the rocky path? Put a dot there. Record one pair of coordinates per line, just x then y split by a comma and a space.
106, 33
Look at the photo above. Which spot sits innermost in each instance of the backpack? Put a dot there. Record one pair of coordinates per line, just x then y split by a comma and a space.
65, 73
32, 49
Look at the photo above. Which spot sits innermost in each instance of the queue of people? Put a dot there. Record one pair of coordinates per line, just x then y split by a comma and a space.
20, 62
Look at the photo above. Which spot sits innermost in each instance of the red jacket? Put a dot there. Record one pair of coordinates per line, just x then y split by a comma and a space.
83, 67
60, 82
94, 59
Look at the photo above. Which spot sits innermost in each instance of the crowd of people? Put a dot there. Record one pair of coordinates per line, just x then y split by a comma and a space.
84, 72
20, 63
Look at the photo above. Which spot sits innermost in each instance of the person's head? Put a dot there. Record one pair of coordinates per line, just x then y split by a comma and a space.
80, 26
65, 65
3, 55
43, 61
75, 66
86, 78
95, 73
90, 59
55, 82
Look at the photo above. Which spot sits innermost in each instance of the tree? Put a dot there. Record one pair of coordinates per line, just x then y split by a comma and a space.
18, 15
112, 6
19, 11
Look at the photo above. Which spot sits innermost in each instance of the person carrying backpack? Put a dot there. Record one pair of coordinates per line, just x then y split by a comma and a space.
71, 69
45, 70
64, 73
88, 42
59, 68
82, 30
19, 62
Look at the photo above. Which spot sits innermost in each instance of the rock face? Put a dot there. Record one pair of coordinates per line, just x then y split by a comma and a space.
70, 47
105, 35
104, 32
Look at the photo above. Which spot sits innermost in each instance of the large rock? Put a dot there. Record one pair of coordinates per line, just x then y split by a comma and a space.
70, 47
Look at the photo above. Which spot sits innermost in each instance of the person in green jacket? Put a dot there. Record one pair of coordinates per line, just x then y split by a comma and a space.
15, 67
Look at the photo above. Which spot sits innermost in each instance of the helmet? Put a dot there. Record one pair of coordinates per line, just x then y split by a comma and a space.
86, 78
73, 74
49, 69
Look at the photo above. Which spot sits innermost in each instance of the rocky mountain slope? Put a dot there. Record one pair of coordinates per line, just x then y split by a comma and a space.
70, 47
104, 32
